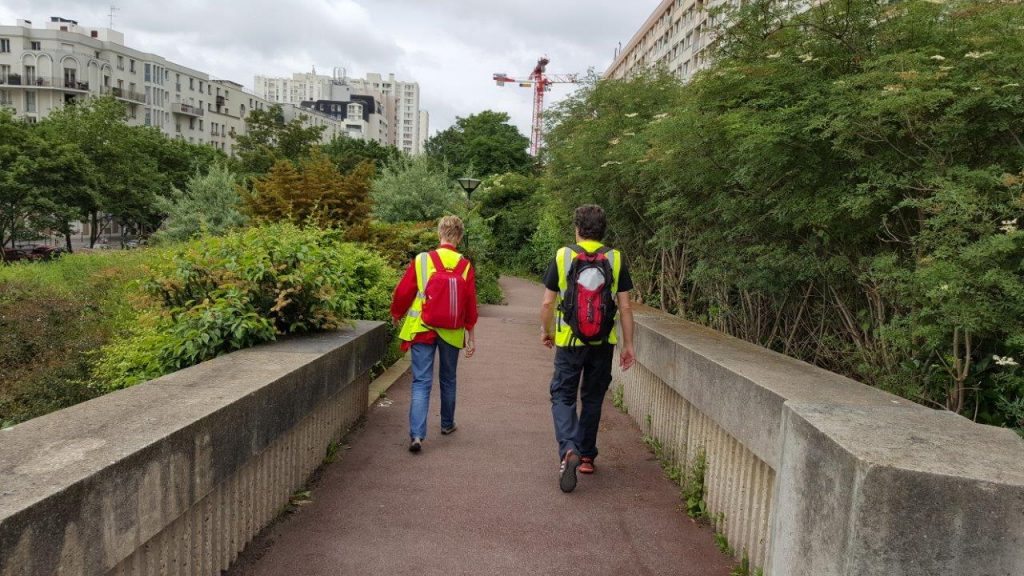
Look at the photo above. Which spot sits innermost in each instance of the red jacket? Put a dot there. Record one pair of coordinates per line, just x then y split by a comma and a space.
405, 295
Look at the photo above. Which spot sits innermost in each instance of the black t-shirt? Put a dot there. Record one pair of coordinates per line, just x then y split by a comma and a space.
551, 277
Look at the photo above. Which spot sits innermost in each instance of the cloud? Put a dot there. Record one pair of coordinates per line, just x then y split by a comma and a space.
451, 47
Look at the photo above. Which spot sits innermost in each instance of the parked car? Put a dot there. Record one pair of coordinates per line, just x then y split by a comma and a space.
17, 255
47, 252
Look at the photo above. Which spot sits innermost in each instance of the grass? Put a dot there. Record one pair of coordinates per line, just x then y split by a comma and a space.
53, 315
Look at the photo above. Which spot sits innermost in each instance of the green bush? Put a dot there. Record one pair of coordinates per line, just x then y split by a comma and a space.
222, 294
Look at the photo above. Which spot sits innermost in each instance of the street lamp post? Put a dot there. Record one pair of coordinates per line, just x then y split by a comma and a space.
469, 185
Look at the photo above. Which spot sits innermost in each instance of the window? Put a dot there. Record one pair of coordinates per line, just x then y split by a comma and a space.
5, 71
5, 45
120, 62
30, 101
191, 83
30, 75
131, 66
148, 75
149, 118
35, 45
200, 124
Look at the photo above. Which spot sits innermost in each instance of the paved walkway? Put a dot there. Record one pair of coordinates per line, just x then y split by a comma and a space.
485, 500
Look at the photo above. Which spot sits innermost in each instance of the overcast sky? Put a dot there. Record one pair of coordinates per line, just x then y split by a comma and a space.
451, 47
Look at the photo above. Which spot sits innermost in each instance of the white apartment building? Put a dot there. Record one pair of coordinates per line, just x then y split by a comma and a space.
406, 125
45, 68
675, 37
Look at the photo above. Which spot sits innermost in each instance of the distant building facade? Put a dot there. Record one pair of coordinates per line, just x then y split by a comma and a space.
675, 38
403, 124
44, 68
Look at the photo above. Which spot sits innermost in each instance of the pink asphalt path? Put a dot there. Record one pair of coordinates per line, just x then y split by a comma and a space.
485, 500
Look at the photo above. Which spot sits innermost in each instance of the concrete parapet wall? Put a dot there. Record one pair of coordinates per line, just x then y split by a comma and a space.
812, 474
176, 475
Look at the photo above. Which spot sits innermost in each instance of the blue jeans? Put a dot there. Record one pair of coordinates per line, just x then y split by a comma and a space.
423, 379
586, 372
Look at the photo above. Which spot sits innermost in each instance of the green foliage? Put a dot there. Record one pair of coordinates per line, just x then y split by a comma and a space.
226, 293
413, 190
722, 543
268, 139
398, 243
510, 203
210, 204
347, 153
484, 143
694, 487
744, 567
619, 400
44, 185
131, 166
52, 315
843, 186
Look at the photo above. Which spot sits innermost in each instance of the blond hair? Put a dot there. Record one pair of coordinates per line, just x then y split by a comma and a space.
451, 228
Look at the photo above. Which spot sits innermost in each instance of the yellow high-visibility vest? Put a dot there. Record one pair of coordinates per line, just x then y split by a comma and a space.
564, 258
413, 325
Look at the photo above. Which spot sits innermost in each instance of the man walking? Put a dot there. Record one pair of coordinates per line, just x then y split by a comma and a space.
585, 301
437, 296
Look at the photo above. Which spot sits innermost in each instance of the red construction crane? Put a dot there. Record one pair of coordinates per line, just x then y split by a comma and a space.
541, 82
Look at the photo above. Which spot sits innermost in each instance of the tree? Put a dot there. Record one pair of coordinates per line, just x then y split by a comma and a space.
413, 190
481, 144
133, 165
314, 193
43, 185
209, 205
843, 185
511, 204
347, 153
268, 139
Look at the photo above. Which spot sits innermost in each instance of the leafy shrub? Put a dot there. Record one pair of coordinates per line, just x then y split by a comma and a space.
411, 190
223, 294
52, 314
398, 243
210, 204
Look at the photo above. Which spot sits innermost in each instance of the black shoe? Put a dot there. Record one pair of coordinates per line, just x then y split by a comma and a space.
416, 445
450, 429
567, 471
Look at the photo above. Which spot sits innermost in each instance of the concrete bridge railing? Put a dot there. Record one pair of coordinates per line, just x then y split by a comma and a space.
813, 474
176, 475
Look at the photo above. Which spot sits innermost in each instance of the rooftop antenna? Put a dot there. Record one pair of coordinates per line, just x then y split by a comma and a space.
113, 11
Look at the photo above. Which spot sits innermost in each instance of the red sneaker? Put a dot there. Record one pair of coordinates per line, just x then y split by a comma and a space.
586, 465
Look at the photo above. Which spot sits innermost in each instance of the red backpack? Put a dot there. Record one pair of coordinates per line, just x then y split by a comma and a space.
447, 296
588, 306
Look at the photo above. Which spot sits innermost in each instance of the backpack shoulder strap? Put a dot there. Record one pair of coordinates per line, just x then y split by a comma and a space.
576, 249
604, 249
438, 263
460, 268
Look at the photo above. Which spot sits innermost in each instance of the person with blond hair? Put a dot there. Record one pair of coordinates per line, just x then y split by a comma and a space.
437, 297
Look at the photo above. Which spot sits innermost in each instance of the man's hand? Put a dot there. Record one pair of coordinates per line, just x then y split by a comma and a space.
547, 339
396, 321
627, 358
470, 344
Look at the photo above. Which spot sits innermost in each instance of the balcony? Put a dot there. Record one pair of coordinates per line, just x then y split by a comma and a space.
45, 82
128, 95
74, 85
186, 110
